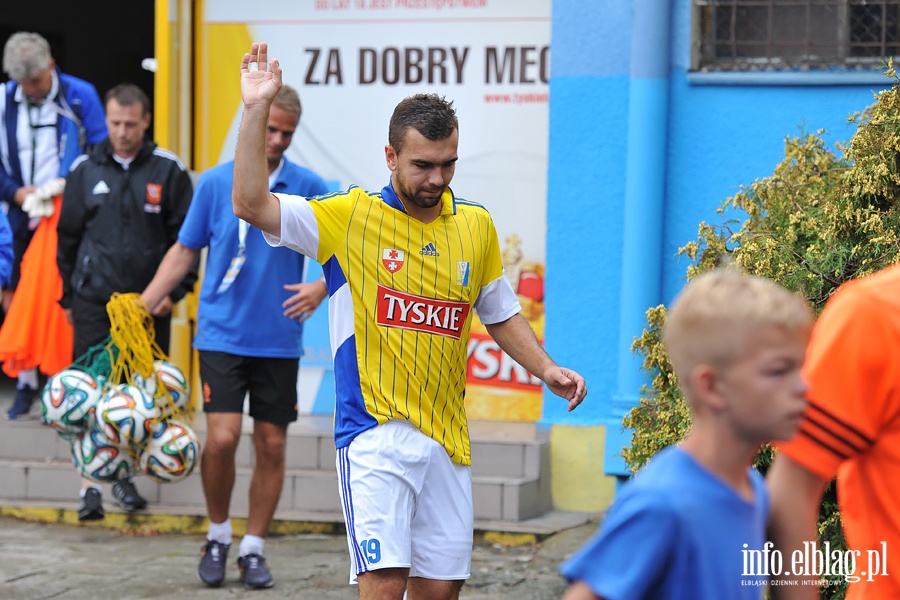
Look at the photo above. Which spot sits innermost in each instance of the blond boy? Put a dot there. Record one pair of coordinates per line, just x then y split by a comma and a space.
692, 523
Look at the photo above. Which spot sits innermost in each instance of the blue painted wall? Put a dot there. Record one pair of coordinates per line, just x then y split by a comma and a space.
722, 132
586, 184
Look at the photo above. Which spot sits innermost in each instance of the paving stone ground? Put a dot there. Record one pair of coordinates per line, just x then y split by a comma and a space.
66, 562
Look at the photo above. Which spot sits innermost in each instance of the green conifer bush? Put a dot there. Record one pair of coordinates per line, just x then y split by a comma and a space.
822, 218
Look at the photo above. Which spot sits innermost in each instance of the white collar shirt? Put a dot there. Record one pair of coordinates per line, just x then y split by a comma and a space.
37, 137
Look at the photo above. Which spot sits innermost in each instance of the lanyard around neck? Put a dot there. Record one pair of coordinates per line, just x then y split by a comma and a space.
34, 127
243, 227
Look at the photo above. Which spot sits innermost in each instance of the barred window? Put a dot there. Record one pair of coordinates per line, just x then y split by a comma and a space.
756, 35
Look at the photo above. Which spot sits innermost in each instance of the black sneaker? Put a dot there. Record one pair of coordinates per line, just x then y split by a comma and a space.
91, 508
126, 495
213, 557
22, 403
254, 572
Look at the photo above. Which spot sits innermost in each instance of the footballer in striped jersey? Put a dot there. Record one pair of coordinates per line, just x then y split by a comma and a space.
404, 268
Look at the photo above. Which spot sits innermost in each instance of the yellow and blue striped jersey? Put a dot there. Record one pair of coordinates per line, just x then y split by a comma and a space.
401, 293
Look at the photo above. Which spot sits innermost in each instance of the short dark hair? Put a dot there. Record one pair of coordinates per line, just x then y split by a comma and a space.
127, 94
430, 114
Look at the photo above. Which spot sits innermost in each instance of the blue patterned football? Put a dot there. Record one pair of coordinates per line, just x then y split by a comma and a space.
68, 399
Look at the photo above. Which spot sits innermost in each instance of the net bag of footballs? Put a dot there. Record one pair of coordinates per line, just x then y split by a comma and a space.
123, 405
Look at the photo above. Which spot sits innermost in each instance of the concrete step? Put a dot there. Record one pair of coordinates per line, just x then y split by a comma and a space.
510, 471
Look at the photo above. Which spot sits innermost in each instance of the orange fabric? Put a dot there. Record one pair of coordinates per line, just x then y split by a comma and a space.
852, 427
35, 332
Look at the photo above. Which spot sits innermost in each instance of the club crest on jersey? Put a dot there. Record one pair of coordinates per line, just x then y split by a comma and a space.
154, 193
418, 313
392, 259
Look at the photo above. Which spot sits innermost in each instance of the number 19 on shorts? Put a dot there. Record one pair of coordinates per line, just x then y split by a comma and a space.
372, 549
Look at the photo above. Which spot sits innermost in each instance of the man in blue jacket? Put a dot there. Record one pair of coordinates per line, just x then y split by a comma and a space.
47, 119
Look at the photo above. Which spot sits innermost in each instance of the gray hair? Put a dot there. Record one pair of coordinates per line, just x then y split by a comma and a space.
25, 55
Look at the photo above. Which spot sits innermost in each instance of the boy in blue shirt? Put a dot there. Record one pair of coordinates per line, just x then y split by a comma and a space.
687, 526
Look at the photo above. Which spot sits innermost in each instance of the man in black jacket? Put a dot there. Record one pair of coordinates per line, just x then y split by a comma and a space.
122, 208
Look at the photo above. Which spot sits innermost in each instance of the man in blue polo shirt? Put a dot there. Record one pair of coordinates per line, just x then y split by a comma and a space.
249, 328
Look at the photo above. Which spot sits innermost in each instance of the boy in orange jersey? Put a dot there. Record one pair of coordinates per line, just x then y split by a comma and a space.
852, 430
688, 525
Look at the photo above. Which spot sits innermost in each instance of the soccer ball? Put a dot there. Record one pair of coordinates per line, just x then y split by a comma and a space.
175, 383
148, 385
99, 460
67, 400
126, 415
173, 380
171, 453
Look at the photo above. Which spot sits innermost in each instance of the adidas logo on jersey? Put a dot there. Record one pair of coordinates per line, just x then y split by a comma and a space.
429, 250
100, 188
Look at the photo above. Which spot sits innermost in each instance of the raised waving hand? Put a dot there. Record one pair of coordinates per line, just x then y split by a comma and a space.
260, 78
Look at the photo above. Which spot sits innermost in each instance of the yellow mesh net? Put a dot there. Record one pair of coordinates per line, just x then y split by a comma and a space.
132, 332
133, 351
139, 418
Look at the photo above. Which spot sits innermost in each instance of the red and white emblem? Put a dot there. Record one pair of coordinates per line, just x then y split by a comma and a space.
154, 193
392, 259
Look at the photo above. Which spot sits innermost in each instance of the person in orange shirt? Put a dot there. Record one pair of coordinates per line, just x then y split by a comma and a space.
851, 430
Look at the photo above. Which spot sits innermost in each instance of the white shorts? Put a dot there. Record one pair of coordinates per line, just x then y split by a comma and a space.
406, 504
